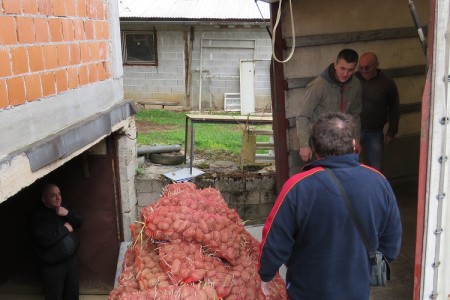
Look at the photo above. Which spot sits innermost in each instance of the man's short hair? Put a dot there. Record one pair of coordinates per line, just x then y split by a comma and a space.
349, 55
333, 134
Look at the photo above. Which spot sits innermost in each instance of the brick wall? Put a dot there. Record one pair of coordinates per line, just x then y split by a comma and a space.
48, 47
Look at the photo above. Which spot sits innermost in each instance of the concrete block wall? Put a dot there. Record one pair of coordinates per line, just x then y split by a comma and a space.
127, 160
222, 52
174, 79
252, 195
165, 81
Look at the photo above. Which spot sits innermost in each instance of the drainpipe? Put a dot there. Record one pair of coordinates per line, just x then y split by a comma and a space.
200, 75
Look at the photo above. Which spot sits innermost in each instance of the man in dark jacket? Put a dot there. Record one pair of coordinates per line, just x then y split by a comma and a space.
336, 90
380, 105
55, 243
310, 230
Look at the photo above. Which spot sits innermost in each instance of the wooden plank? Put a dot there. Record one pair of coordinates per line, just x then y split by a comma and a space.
404, 109
229, 119
261, 132
349, 37
264, 146
302, 82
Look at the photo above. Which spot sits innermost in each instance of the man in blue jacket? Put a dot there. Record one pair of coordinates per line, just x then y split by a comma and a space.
310, 230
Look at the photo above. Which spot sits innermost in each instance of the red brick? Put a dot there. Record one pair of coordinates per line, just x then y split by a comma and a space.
103, 51
93, 73
56, 34
101, 11
105, 30
36, 56
19, 60
107, 67
5, 62
61, 81
98, 27
12, 6
101, 72
48, 84
79, 30
8, 34
30, 7
70, 8
41, 30
83, 75
94, 51
84, 52
3, 94
50, 57
63, 55
16, 90
91, 9
59, 8
72, 78
75, 54
68, 30
25, 30
89, 29
45, 7
33, 87
81, 8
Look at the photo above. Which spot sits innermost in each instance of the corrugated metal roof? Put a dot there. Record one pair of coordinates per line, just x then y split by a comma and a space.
194, 9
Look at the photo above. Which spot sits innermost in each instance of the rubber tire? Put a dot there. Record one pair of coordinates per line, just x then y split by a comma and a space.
166, 159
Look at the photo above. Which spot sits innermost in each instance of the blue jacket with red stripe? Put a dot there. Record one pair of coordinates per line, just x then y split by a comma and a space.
310, 230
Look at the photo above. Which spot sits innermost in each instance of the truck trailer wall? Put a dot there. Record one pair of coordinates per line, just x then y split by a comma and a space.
322, 28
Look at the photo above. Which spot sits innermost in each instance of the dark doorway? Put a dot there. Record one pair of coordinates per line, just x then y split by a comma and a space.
88, 183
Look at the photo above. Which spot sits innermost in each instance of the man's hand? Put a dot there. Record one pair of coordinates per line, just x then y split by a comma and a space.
265, 288
61, 211
305, 153
68, 226
388, 139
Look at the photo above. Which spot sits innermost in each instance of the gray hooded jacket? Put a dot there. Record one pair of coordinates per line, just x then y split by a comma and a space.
324, 94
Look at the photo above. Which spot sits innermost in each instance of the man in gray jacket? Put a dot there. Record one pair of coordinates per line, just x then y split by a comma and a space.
335, 90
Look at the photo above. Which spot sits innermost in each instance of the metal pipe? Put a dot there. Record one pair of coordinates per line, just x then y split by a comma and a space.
146, 149
201, 77
413, 12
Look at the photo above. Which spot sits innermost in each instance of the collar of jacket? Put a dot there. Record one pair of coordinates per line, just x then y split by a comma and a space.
339, 161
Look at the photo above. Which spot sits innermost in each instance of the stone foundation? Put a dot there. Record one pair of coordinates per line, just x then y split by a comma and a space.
252, 194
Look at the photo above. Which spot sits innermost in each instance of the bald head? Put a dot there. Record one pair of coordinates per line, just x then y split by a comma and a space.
368, 65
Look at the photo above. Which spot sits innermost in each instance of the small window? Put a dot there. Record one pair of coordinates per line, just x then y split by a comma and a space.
139, 47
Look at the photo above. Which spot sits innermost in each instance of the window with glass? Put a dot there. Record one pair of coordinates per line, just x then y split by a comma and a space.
139, 47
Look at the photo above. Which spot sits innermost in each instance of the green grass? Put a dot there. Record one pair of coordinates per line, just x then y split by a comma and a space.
208, 137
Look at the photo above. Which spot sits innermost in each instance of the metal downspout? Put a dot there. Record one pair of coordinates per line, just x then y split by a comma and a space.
200, 76
278, 106
423, 159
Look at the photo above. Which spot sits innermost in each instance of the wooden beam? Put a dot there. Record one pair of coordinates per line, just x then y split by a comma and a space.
302, 82
408, 108
349, 37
